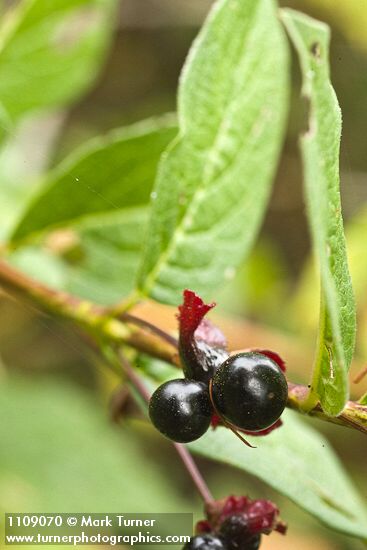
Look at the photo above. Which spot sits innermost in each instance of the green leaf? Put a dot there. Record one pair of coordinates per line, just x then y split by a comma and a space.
101, 262
299, 463
110, 256
109, 174
60, 453
51, 51
214, 182
41, 265
320, 152
110, 180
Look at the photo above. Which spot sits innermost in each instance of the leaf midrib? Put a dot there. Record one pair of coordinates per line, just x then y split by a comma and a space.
199, 192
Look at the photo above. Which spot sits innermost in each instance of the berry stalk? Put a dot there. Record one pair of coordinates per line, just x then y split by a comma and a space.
183, 453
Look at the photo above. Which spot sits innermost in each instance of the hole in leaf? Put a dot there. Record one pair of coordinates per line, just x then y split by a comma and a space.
315, 49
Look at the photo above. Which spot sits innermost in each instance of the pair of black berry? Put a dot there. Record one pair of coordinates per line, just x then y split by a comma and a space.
233, 534
247, 390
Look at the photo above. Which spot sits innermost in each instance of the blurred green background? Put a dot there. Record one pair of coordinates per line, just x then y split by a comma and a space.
58, 449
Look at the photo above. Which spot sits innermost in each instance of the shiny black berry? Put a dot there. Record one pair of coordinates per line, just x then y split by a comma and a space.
253, 543
205, 542
181, 409
234, 531
250, 391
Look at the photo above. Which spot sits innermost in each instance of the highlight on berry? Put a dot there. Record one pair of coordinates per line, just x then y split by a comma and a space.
236, 523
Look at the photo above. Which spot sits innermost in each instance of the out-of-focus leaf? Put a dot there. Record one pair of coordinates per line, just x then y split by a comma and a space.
108, 174
155, 369
5, 123
214, 182
350, 17
110, 255
260, 286
59, 453
101, 265
302, 309
320, 151
110, 181
23, 158
41, 265
299, 463
303, 306
356, 233
51, 51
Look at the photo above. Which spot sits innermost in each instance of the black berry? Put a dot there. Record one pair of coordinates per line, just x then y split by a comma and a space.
252, 543
205, 542
181, 409
234, 531
250, 391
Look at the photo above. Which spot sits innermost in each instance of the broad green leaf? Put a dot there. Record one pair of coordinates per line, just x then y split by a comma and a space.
110, 181
101, 263
51, 51
110, 253
214, 181
320, 152
299, 463
59, 453
108, 174
41, 265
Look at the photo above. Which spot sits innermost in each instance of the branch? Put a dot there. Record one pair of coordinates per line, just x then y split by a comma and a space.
354, 414
143, 336
93, 318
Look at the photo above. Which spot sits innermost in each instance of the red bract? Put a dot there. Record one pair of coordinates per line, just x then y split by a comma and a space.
202, 346
216, 421
267, 431
191, 313
233, 505
210, 334
261, 516
203, 526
